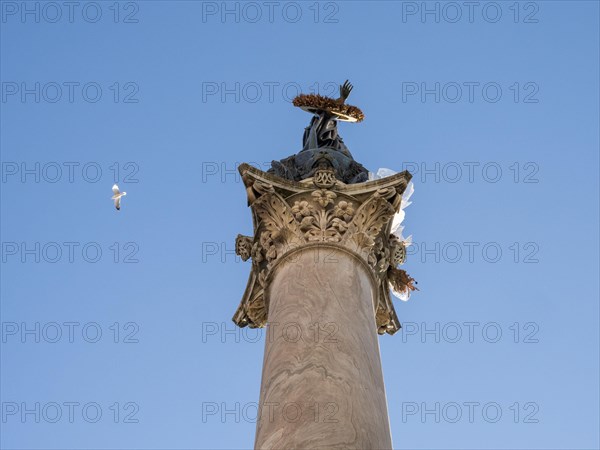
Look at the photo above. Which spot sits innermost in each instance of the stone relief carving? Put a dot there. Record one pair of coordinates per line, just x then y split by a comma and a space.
243, 247
288, 215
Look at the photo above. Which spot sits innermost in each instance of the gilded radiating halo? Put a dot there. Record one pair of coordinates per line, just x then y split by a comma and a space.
315, 103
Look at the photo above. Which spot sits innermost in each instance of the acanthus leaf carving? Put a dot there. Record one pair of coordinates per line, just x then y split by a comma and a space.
289, 216
368, 222
276, 217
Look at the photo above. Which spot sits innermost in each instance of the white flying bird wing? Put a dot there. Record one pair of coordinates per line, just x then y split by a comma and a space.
383, 172
118, 203
115, 189
397, 221
407, 194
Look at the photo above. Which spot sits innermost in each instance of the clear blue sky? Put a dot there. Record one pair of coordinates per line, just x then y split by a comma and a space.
172, 95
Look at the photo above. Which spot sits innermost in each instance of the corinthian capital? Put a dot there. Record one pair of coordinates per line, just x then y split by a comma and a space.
320, 211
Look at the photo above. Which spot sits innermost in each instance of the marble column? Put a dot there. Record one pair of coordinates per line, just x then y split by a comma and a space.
322, 258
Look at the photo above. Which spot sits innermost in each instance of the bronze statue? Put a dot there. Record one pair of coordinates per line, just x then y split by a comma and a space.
322, 146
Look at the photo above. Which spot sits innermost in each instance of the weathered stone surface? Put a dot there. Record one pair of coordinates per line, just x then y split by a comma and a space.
289, 214
322, 261
322, 385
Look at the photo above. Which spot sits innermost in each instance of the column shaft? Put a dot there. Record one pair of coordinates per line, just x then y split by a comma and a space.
322, 382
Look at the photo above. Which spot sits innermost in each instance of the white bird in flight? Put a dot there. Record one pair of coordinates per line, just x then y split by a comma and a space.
117, 196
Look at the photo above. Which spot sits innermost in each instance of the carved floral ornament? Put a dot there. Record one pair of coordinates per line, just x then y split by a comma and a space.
288, 215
